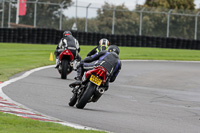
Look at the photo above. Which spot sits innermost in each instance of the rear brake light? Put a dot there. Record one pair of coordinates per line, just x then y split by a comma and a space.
101, 73
98, 72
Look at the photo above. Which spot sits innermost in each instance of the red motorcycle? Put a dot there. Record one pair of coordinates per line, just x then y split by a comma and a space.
91, 89
66, 63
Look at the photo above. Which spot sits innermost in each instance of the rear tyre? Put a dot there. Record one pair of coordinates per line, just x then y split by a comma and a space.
64, 69
86, 95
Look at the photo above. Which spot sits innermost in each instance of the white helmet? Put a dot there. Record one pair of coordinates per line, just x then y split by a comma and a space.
104, 42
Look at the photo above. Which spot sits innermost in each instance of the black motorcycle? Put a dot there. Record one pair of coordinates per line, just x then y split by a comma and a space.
92, 88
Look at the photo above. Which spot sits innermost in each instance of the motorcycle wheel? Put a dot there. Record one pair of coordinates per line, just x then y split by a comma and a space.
64, 69
86, 95
73, 100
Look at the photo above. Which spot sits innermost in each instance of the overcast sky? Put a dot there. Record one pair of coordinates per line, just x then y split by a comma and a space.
95, 3
81, 12
128, 3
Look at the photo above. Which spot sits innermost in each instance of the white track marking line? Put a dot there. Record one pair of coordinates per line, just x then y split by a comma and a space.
4, 96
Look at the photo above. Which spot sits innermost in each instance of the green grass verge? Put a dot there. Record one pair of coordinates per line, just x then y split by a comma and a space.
15, 58
159, 54
14, 124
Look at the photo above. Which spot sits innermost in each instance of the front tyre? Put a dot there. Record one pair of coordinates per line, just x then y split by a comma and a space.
73, 99
64, 69
86, 95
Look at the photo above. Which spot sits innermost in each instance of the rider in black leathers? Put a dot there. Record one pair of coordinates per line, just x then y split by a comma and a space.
108, 59
72, 45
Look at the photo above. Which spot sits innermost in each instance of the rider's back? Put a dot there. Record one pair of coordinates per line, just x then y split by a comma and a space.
109, 61
70, 41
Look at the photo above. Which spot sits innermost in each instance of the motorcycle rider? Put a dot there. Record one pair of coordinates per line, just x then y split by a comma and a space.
108, 59
103, 45
72, 45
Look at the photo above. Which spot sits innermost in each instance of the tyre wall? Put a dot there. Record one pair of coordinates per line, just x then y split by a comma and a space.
52, 36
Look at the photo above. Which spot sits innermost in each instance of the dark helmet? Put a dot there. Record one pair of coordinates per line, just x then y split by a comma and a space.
66, 33
113, 48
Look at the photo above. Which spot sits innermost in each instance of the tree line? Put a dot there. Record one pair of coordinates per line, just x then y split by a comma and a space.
153, 24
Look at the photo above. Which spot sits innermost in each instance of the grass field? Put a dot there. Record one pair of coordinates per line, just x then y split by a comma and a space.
14, 124
15, 58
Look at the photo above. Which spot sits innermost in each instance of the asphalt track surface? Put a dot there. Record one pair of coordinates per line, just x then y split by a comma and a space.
147, 97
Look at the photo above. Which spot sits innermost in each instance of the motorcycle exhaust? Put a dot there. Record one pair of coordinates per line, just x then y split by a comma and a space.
101, 90
98, 94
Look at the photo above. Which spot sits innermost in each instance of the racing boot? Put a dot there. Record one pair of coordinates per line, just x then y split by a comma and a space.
78, 78
75, 65
57, 62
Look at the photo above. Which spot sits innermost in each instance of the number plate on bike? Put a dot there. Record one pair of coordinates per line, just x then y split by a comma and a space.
95, 80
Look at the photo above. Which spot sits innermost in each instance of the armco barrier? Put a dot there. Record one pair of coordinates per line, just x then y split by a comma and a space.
53, 36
